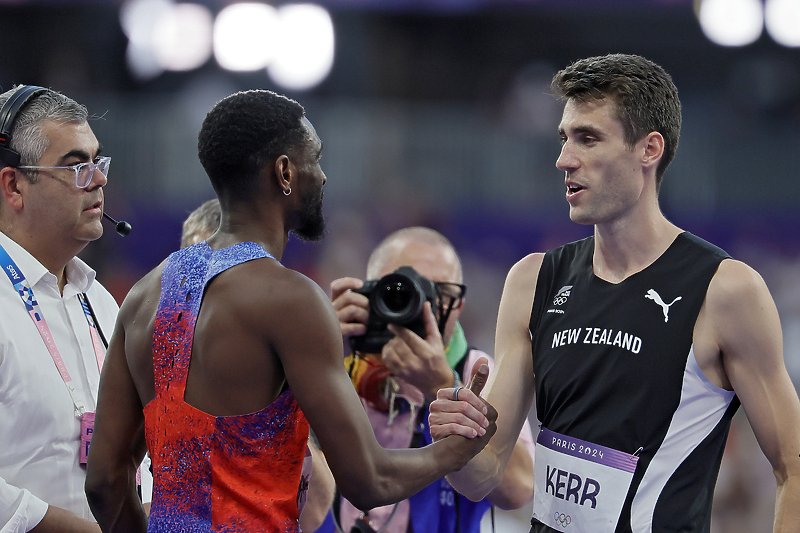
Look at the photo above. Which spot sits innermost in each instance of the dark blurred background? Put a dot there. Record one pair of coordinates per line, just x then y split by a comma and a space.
436, 112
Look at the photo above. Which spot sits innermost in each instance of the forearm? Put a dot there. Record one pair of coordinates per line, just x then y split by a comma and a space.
516, 488
478, 477
115, 502
787, 506
58, 520
401, 473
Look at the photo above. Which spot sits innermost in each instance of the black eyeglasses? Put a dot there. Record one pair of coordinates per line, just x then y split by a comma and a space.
449, 298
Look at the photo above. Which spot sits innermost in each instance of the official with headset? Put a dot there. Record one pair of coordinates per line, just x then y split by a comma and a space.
53, 313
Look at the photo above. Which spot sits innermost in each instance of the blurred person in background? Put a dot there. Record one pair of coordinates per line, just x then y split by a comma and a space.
223, 394
201, 223
638, 344
397, 384
317, 485
54, 312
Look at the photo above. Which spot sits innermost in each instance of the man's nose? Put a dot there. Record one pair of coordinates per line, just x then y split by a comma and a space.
566, 159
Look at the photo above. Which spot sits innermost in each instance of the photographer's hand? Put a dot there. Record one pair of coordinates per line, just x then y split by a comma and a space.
420, 362
352, 309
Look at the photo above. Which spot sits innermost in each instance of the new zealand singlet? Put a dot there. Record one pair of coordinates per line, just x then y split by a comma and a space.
632, 432
226, 473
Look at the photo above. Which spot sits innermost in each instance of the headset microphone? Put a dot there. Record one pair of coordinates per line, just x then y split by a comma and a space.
8, 115
122, 227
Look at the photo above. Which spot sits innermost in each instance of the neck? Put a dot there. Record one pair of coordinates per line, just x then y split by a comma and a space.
625, 247
249, 223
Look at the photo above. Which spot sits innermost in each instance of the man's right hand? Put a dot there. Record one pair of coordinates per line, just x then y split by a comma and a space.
462, 411
352, 308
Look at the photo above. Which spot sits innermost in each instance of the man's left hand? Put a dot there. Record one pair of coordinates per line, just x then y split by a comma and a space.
420, 362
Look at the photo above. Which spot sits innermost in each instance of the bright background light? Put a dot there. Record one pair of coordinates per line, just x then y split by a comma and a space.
182, 37
731, 22
138, 18
306, 55
294, 43
245, 36
782, 19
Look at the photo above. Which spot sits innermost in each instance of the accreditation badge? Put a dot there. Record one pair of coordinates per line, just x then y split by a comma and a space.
579, 487
87, 428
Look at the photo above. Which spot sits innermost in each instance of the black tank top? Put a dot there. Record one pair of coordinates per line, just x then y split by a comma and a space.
614, 366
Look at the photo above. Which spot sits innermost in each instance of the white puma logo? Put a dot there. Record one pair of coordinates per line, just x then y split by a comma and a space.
653, 295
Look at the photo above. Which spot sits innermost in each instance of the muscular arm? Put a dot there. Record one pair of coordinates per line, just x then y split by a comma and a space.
510, 389
746, 329
307, 339
118, 443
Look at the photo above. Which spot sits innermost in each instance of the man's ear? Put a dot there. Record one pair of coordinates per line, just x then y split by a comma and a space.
10, 179
284, 173
653, 145
457, 310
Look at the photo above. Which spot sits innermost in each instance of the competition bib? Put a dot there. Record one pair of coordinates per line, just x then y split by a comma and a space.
579, 486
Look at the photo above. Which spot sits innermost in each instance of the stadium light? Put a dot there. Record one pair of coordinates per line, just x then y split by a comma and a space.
245, 36
782, 19
731, 22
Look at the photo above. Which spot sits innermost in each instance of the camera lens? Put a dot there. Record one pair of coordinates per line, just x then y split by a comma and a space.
396, 296
397, 299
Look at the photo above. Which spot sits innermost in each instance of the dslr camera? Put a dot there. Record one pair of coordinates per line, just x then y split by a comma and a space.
396, 298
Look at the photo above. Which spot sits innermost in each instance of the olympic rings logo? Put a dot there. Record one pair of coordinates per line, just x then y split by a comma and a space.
562, 519
562, 295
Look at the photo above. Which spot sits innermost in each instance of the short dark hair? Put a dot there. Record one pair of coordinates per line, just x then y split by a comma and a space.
644, 95
242, 133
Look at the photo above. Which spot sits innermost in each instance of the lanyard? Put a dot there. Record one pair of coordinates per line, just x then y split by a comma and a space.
25, 292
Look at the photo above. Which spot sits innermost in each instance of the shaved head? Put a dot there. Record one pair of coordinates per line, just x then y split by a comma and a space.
416, 246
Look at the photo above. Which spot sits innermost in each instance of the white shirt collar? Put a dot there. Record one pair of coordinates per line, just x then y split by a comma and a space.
79, 275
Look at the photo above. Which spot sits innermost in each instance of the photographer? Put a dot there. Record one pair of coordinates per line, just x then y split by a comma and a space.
397, 380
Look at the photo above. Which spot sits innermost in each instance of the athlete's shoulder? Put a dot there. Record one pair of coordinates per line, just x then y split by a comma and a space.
265, 286
147, 289
736, 282
525, 271
692, 241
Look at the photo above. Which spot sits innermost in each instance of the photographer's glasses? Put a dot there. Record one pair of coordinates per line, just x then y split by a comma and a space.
83, 171
450, 296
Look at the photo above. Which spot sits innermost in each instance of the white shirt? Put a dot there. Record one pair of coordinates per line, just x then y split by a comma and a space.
39, 431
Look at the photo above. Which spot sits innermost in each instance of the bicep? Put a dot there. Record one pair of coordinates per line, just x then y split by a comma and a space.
119, 423
751, 345
308, 343
511, 385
